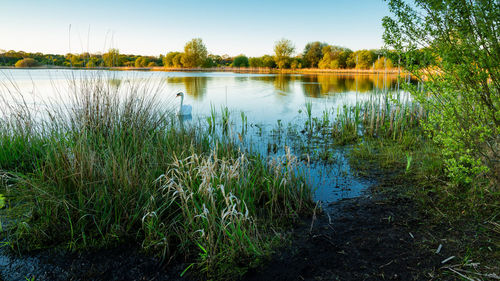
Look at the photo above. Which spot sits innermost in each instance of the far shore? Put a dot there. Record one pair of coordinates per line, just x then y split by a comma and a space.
228, 69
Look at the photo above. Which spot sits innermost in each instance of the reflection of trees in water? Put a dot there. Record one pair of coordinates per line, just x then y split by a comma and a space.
384, 81
241, 79
265, 78
282, 82
196, 87
115, 82
318, 85
311, 86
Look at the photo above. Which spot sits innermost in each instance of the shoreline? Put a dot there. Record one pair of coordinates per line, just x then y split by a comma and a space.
263, 70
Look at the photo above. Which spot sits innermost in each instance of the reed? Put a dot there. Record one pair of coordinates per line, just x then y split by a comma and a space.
115, 167
379, 117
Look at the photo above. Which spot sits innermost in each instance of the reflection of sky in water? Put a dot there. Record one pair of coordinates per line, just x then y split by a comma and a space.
265, 98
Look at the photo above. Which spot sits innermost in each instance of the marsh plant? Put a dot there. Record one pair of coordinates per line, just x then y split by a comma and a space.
113, 166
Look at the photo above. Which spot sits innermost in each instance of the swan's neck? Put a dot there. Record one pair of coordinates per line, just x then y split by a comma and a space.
182, 101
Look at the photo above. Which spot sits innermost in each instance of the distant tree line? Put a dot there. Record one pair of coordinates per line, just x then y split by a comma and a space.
315, 55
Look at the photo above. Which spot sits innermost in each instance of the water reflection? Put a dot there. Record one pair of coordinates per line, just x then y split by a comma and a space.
318, 85
195, 86
265, 98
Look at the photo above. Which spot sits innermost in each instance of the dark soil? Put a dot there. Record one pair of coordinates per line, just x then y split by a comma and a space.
372, 237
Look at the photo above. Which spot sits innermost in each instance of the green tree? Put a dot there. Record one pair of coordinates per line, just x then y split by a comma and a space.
255, 62
313, 53
27, 62
111, 58
462, 86
209, 62
74, 60
383, 63
93, 61
295, 63
364, 59
240, 61
268, 61
168, 60
177, 60
283, 49
334, 57
195, 53
141, 62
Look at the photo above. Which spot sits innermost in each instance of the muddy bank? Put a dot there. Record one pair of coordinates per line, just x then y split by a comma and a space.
123, 263
372, 237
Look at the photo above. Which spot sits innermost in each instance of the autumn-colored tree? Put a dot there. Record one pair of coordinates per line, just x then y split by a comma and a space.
383, 63
27, 62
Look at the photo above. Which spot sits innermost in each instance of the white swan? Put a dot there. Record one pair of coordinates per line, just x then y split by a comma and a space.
184, 109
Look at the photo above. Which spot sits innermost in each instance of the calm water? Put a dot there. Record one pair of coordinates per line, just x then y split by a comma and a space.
266, 100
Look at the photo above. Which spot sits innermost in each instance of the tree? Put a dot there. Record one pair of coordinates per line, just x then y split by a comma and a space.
460, 41
73, 60
364, 59
141, 62
313, 53
168, 60
240, 61
27, 62
195, 53
283, 49
111, 58
255, 62
334, 57
268, 61
383, 63
177, 60
296, 63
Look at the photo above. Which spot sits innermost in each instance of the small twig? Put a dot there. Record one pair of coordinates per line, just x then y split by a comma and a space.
313, 218
384, 265
461, 275
439, 248
448, 259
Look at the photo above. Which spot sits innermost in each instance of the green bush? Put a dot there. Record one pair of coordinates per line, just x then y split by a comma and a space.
461, 86
240, 61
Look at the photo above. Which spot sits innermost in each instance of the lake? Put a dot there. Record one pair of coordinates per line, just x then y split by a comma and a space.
267, 100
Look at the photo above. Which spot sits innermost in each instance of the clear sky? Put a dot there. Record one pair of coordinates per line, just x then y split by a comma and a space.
249, 27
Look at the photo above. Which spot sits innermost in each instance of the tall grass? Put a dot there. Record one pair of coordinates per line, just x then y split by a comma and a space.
378, 117
113, 166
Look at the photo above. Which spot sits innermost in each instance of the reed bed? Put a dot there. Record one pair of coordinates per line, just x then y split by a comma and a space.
385, 117
113, 166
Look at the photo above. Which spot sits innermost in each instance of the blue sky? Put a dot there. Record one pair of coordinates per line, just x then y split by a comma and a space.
157, 27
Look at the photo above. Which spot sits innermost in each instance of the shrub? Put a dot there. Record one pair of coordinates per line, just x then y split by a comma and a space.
26, 62
240, 61
461, 92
